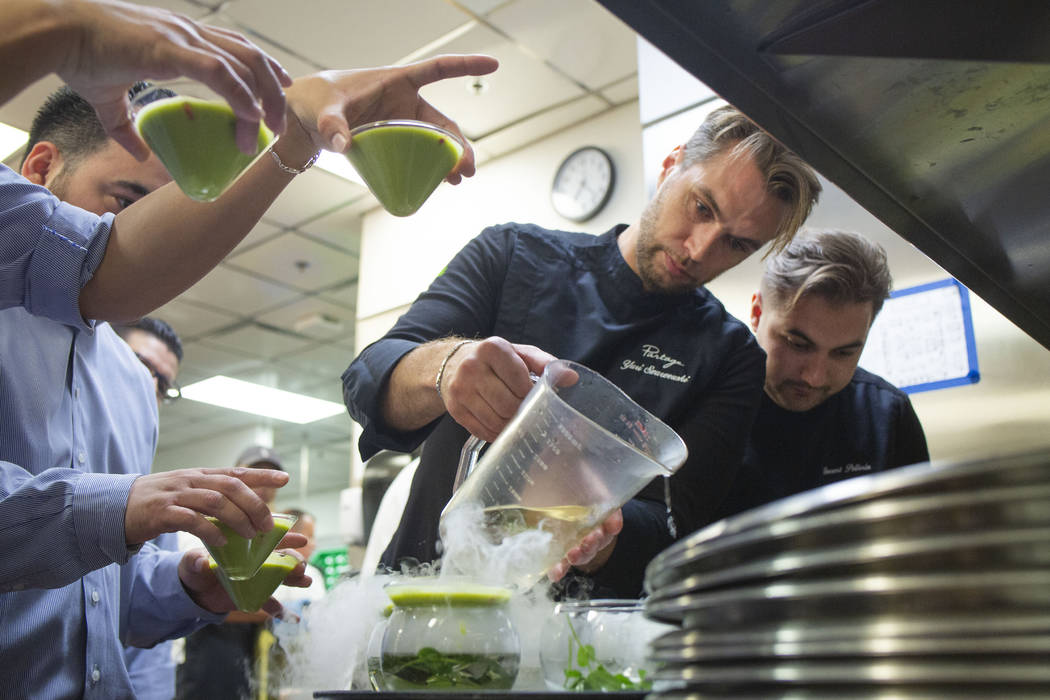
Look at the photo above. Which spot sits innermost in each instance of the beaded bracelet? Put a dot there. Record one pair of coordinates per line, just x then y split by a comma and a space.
289, 169
444, 363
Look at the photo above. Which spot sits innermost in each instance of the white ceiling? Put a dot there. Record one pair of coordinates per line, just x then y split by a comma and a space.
561, 61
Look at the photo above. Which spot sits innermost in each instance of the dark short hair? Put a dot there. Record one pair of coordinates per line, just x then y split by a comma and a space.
155, 327
788, 177
841, 267
70, 122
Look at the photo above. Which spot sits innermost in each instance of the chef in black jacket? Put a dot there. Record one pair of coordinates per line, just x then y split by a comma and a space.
630, 304
822, 418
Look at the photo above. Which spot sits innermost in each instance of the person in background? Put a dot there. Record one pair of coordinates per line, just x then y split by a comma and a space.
822, 418
159, 350
630, 304
218, 660
77, 429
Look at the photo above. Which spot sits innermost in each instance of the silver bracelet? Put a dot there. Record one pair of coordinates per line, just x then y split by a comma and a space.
444, 363
289, 169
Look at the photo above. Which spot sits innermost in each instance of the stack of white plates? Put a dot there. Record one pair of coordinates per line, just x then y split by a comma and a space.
930, 581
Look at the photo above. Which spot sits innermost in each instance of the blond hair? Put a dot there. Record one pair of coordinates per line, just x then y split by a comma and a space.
788, 177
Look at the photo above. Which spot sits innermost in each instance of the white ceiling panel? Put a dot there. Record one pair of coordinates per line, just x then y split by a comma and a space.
530, 130
348, 33
522, 85
263, 231
208, 360
310, 195
298, 262
237, 292
191, 320
341, 227
482, 7
252, 340
198, 430
580, 37
623, 91
345, 295
313, 317
324, 360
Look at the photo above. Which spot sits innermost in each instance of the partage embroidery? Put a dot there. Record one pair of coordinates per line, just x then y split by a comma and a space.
656, 364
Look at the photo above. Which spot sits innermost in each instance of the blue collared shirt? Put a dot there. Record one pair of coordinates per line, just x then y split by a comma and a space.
78, 424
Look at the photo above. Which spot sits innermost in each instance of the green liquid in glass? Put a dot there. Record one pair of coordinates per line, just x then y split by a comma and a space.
251, 594
402, 162
240, 558
195, 140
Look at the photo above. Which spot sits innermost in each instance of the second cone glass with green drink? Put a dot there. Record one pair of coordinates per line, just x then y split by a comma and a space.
402, 161
240, 558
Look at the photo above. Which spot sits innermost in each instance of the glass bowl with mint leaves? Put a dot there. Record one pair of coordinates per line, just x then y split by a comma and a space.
598, 646
445, 633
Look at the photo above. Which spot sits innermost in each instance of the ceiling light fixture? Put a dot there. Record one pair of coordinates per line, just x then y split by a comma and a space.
260, 400
11, 139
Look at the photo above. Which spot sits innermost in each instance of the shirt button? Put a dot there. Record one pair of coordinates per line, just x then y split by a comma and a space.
95, 674
81, 457
76, 393
95, 597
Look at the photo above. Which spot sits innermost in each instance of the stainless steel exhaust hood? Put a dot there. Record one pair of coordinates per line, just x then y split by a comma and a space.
932, 114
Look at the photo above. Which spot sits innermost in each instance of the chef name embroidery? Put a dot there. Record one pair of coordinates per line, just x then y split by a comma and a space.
656, 364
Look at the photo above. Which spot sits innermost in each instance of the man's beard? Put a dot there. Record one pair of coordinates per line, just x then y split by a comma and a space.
649, 253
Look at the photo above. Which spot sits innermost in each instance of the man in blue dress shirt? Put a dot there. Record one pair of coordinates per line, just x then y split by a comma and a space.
159, 350
78, 421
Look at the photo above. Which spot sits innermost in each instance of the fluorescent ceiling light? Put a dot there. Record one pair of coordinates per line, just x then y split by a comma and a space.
11, 139
338, 164
261, 400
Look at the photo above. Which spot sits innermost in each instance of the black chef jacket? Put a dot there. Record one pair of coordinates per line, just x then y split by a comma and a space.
680, 356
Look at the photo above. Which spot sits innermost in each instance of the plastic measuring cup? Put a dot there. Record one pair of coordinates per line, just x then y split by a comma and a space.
577, 449
195, 140
403, 160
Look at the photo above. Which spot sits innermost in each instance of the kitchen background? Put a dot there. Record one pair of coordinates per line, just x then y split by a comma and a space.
328, 271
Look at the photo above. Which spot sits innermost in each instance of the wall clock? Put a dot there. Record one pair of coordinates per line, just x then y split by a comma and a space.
583, 184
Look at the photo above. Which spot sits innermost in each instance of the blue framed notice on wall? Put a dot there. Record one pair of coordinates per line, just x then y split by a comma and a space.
923, 338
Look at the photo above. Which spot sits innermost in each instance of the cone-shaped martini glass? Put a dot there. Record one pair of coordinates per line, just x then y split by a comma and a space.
240, 558
195, 140
402, 161
252, 593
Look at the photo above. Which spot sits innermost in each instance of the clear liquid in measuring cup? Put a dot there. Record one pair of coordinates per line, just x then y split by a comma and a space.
566, 525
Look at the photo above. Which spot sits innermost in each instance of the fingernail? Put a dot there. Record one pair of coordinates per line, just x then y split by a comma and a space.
339, 143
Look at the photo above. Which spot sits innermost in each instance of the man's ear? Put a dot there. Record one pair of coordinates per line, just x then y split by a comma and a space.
756, 310
673, 159
42, 164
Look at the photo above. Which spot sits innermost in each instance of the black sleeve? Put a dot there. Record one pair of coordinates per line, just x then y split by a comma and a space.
462, 301
715, 430
910, 440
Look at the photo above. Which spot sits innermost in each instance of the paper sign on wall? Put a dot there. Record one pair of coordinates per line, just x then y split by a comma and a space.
923, 338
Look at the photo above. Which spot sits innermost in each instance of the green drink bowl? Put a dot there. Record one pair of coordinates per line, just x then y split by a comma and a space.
402, 161
251, 594
195, 140
240, 558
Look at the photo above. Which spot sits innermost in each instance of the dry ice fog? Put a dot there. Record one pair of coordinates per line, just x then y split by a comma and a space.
326, 648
